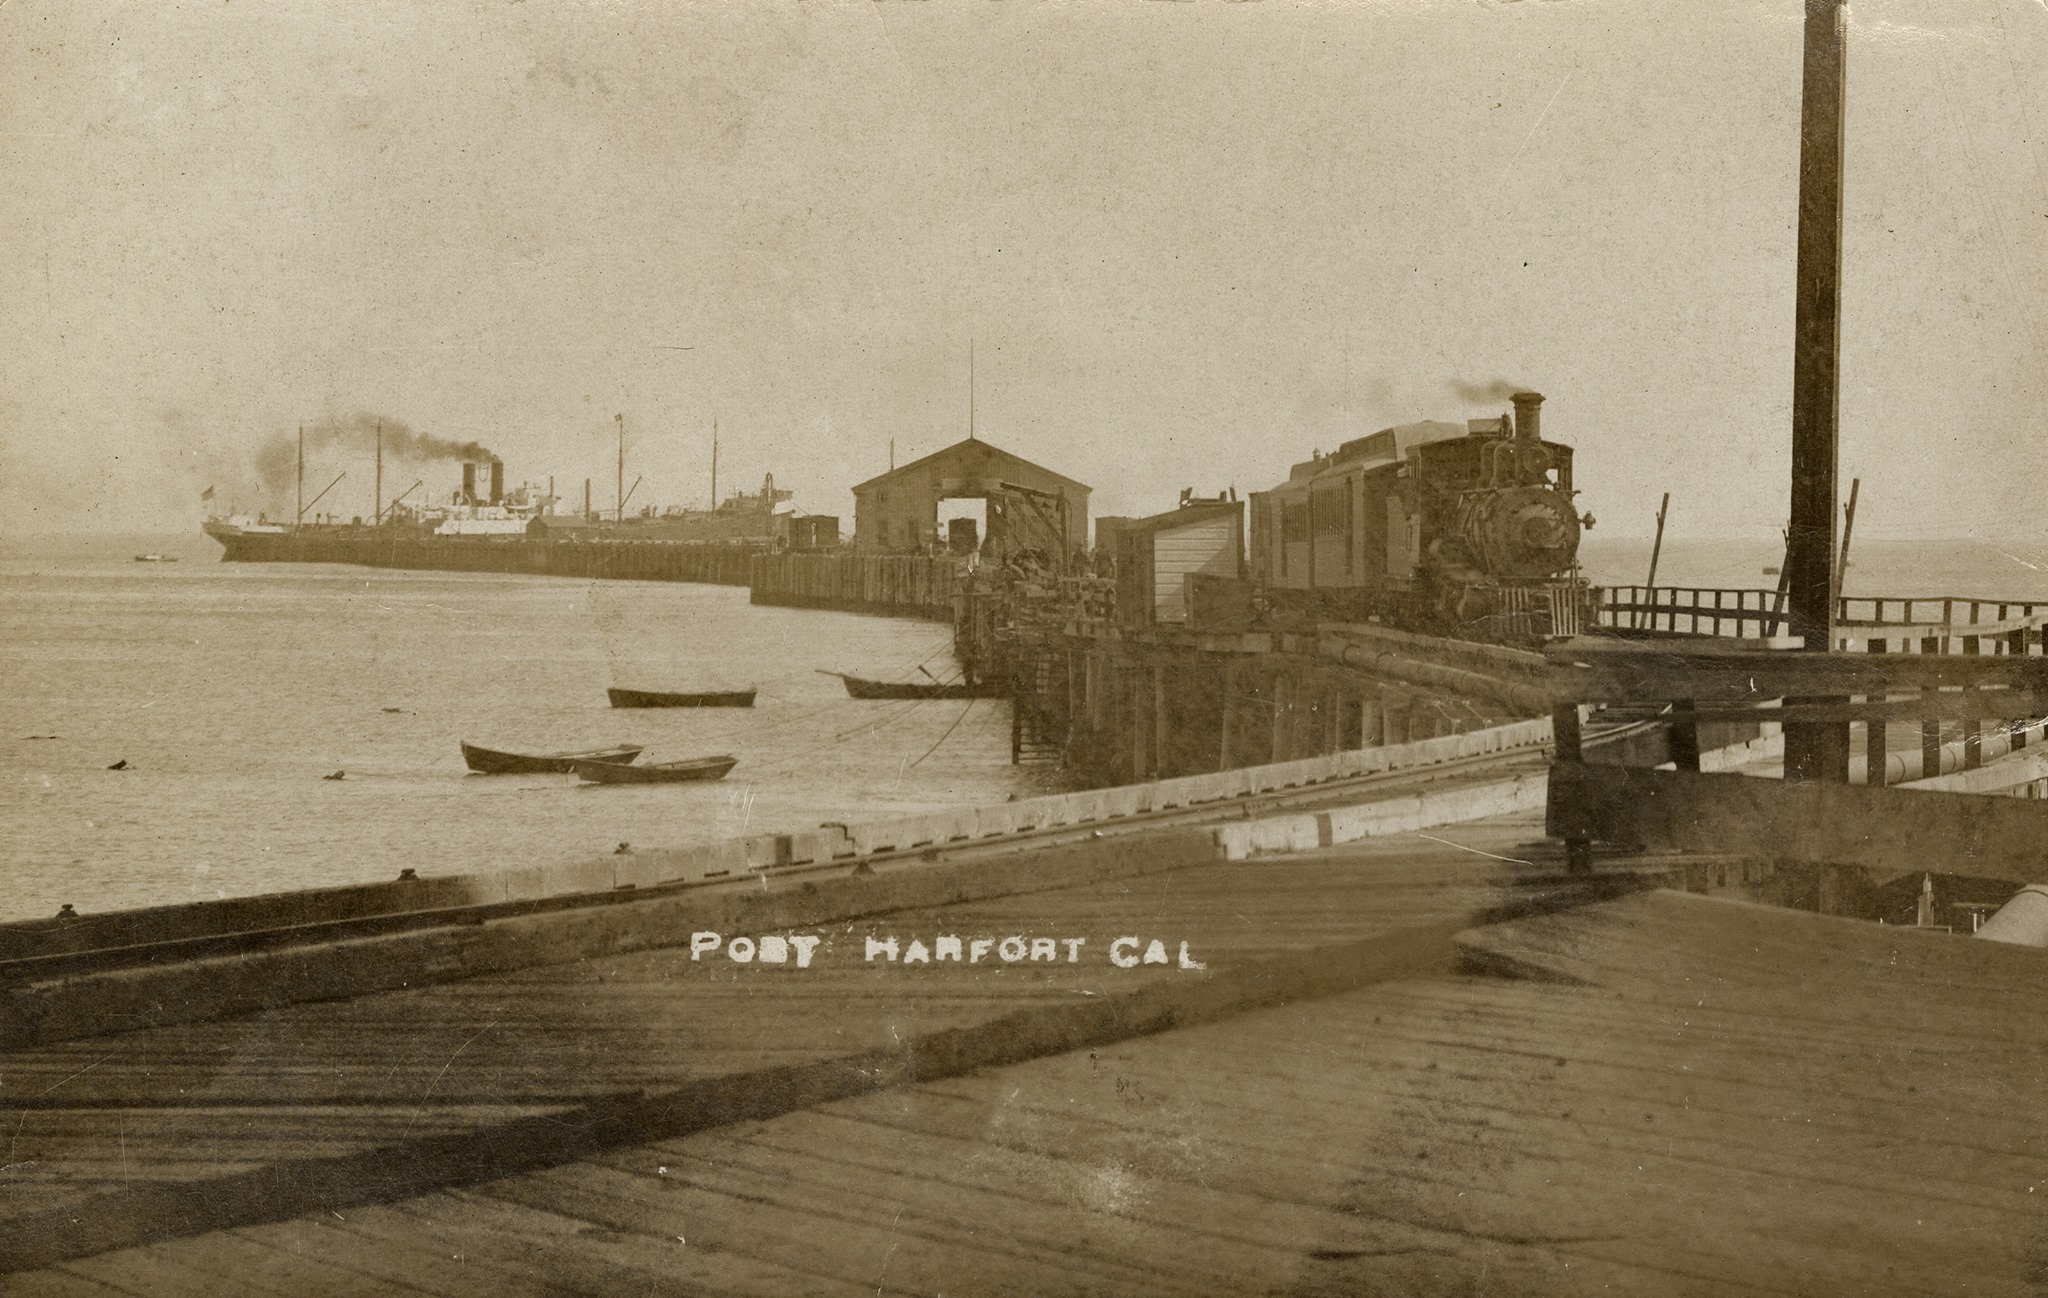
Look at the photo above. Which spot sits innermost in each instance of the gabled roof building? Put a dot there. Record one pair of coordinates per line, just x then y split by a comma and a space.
1029, 506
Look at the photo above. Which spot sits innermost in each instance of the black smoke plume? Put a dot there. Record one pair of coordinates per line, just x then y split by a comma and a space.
277, 461
1479, 393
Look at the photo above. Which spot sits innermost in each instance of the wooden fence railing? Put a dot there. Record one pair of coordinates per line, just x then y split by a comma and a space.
1700, 682
1691, 610
1863, 623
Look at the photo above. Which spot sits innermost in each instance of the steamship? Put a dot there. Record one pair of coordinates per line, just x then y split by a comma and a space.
485, 526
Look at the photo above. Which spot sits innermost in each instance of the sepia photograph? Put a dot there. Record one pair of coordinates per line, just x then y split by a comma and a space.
1023, 647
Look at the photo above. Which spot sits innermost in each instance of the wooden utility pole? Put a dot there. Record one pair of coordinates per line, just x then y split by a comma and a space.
621, 497
300, 517
1848, 530
1817, 750
1656, 552
1657, 546
377, 493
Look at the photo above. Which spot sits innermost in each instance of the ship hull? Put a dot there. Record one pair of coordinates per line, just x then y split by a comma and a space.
415, 550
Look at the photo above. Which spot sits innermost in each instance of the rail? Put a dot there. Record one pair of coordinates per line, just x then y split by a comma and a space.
1691, 610
1874, 689
1863, 623
1698, 681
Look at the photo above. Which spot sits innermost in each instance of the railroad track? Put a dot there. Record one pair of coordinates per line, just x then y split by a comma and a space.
1331, 793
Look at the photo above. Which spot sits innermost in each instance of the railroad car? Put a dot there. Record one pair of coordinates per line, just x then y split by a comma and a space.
1467, 530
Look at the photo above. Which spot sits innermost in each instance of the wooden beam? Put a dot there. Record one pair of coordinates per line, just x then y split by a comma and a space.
1635, 674
1889, 830
1958, 705
1818, 752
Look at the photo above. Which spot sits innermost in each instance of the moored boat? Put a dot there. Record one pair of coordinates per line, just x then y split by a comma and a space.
490, 761
661, 699
861, 688
695, 768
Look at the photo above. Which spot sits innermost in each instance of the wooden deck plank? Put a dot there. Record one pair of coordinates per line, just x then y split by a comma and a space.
1046, 1205
546, 1244
465, 1056
324, 1251
1935, 1170
173, 1272
59, 1282
1461, 1191
1728, 1103
758, 1226
701, 1261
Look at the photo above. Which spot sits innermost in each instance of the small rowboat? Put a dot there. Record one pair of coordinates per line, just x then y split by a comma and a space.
861, 688
696, 768
489, 761
657, 699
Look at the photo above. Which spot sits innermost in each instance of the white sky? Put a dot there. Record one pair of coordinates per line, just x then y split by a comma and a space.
1191, 242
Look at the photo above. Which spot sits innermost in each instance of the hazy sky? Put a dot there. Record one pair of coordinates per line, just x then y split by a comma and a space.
1191, 242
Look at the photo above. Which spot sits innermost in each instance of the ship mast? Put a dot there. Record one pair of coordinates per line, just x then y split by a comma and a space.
300, 517
714, 462
377, 495
622, 467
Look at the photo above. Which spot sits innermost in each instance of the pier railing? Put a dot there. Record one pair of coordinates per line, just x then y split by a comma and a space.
1880, 623
1691, 610
1997, 699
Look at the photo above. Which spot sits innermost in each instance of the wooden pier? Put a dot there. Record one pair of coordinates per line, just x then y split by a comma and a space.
1416, 1064
890, 585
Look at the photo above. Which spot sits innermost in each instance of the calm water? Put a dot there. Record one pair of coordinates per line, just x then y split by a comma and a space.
231, 689
2005, 569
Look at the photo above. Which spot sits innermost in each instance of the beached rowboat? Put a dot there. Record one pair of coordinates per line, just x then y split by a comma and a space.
490, 761
659, 699
862, 688
695, 768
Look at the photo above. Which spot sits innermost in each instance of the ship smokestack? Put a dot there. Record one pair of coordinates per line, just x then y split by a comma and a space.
497, 482
1528, 415
469, 484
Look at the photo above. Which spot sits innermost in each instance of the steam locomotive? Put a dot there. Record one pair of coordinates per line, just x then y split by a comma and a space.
1467, 531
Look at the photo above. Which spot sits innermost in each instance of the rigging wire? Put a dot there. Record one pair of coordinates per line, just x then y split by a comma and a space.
785, 761
943, 738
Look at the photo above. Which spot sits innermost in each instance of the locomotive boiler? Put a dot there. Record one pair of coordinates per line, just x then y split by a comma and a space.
1465, 530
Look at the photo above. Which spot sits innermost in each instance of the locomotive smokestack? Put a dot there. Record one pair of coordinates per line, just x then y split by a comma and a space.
468, 484
497, 482
1528, 415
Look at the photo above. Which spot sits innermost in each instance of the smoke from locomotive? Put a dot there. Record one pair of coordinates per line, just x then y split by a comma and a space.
1457, 530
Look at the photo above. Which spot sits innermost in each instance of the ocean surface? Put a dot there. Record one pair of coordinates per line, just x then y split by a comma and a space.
230, 690
1995, 569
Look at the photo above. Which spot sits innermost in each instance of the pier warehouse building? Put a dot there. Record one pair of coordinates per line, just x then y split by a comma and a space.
1028, 506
